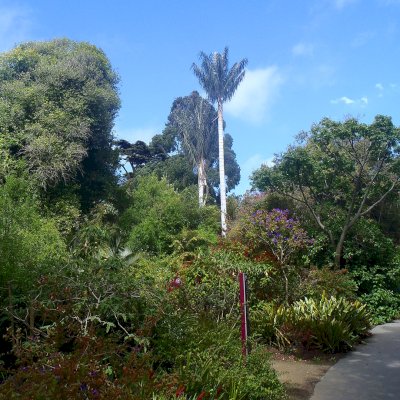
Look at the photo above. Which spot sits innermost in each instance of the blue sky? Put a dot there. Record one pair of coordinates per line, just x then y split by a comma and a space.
307, 59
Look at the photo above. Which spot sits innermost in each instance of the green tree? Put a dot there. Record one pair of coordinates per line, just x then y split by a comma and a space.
176, 169
159, 215
30, 248
220, 83
195, 121
340, 171
173, 153
135, 154
57, 108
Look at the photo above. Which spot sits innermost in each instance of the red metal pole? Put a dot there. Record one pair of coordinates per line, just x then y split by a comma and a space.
243, 312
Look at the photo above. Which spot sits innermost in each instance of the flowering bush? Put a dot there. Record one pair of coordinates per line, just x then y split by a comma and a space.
276, 233
281, 233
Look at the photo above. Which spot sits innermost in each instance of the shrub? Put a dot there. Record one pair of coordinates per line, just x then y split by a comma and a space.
383, 304
269, 322
329, 324
379, 288
276, 232
328, 282
30, 248
158, 214
214, 368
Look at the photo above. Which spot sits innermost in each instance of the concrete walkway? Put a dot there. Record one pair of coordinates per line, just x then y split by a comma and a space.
372, 372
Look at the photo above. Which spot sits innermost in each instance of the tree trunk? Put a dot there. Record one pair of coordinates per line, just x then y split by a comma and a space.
286, 285
339, 249
202, 183
222, 186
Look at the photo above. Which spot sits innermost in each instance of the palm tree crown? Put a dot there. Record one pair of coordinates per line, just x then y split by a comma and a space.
219, 82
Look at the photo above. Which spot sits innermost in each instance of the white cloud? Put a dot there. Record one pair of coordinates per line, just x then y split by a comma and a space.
255, 94
134, 134
15, 24
344, 100
303, 49
380, 88
363, 101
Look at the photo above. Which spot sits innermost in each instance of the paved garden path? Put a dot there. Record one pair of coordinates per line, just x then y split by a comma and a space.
371, 372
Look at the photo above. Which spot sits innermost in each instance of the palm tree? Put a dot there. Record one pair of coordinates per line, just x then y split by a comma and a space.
220, 84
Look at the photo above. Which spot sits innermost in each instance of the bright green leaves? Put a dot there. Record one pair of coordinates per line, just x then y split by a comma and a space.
29, 243
158, 215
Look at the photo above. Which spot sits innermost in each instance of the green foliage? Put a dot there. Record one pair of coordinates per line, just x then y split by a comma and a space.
374, 265
217, 79
90, 335
126, 292
59, 100
268, 323
30, 245
384, 305
330, 324
367, 245
129, 332
159, 214
197, 336
176, 168
186, 153
219, 372
339, 171
274, 235
194, 120
325, 281
379, 289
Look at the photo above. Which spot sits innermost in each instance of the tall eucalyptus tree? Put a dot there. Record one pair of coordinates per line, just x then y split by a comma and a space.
220, 83
195, 120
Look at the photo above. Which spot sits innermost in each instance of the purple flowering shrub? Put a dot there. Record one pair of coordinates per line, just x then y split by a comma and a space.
273, 236
279, 232
282, 235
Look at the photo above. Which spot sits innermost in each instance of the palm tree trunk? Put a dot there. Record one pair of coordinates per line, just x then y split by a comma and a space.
222, 186
201, 182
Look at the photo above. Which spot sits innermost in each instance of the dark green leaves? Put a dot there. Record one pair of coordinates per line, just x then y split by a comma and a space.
57, 105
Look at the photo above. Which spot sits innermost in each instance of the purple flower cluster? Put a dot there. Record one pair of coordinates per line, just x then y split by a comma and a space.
279, 231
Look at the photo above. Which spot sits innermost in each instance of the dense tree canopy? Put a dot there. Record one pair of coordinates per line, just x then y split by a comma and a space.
340, 171
58, 101
195, 121
188, 140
